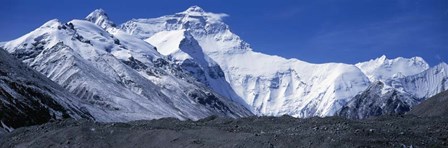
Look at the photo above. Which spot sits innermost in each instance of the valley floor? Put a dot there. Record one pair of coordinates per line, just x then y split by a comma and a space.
257, 132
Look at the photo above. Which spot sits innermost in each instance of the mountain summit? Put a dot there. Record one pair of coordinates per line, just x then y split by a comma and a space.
194, 9
198, 12
100, 18
383, 68
194, 19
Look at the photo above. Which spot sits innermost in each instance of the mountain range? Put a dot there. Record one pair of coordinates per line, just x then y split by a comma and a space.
190, 65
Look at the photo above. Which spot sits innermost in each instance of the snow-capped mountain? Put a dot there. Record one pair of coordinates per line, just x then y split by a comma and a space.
191, 65
115, 72
28, 97
397, 95
99, 17
273, 85
381, 69
270, 84
378, 100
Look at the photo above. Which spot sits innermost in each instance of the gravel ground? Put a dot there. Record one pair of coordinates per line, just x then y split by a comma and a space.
397, 131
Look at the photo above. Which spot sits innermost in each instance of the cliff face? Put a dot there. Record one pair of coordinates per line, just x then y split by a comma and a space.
378, 100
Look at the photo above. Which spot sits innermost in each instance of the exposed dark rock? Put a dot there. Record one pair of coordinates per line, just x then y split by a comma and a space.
374, 102
208, 99
29, 98
434, 106
135, 64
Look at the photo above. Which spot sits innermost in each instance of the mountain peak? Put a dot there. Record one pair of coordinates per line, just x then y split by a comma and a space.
382, 58
51, 23
197, 11
194, 9
99, 11
441, 66
96, 14
383, 68
418, 59
100, 17
413, 60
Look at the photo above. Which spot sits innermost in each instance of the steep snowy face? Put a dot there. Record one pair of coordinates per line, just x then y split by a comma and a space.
184, 50
117, 73
381, 69
271, 85
423, 85
28, 97
180, 46
100, 18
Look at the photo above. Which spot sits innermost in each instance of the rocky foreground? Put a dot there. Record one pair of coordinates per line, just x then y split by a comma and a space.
397, 131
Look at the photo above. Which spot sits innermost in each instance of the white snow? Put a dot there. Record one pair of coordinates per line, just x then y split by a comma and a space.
167, 42
195, 11
383, 68
100, 18
423, 85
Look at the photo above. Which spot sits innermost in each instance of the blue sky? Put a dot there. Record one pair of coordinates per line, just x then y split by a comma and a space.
347, 31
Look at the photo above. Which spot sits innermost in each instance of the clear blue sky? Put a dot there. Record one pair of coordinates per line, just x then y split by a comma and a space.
346, 31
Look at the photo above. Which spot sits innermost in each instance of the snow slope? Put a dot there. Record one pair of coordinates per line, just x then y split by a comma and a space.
425, 84
117, 73
28, 97
381, 69
99, 17
185, 51
270, 84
